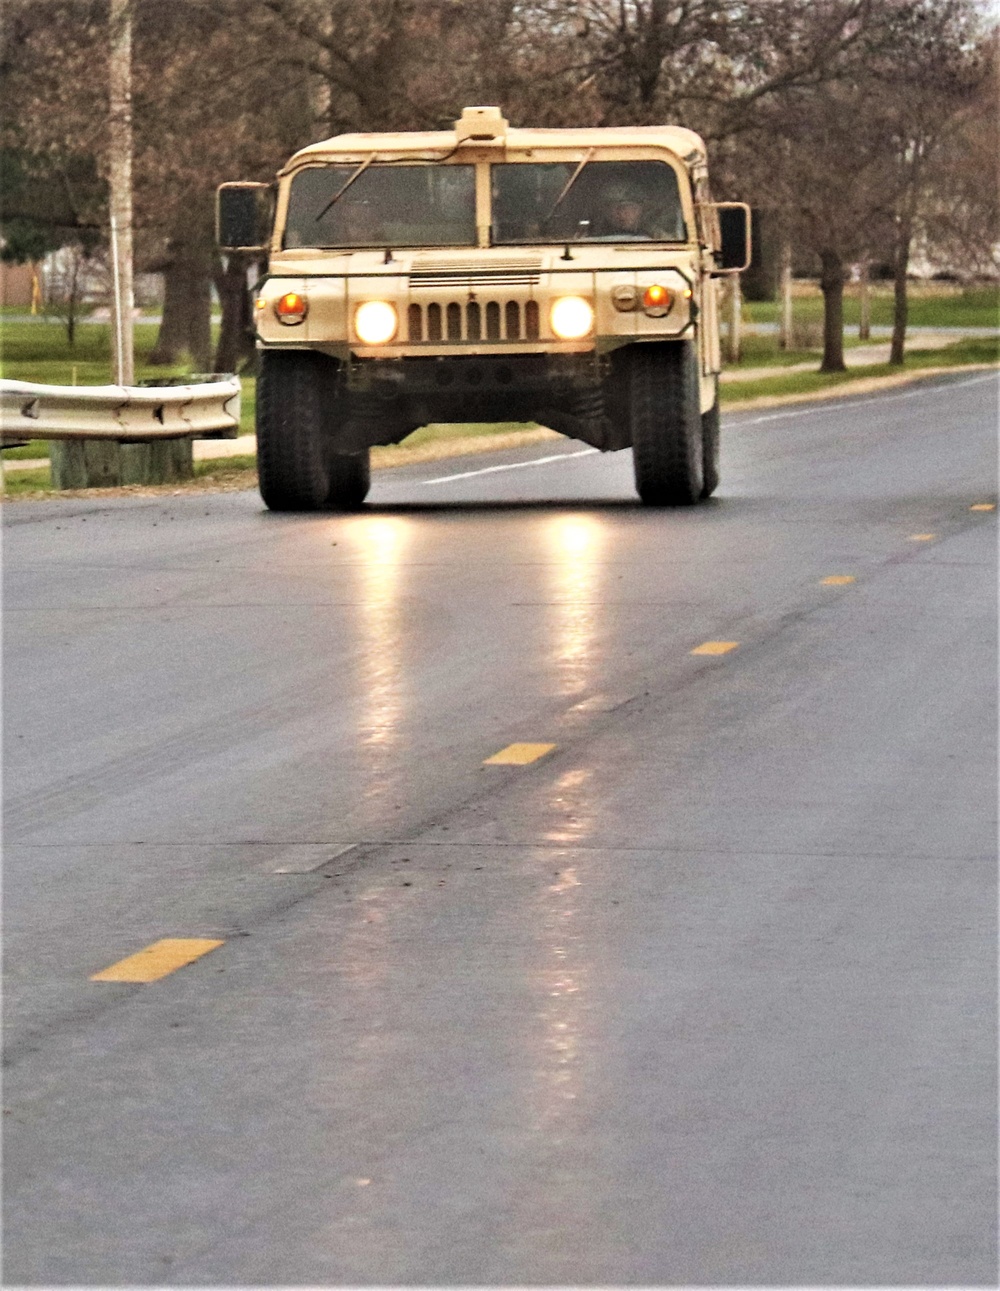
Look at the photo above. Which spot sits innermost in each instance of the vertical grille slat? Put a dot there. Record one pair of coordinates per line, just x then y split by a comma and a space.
470, 320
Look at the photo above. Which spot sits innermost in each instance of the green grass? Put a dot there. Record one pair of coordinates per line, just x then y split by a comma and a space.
39, 480
763, 351
28, 452
18, 483
464, 430
929, 306
219, 467
960, 354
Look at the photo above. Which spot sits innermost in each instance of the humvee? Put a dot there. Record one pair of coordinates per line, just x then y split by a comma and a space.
489, 273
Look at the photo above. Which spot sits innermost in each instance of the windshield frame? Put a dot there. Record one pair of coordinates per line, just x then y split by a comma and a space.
483, 161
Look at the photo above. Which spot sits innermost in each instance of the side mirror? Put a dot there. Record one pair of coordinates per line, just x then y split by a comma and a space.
734, 236
243, 216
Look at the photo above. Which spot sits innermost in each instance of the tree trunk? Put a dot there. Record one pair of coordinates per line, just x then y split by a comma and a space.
865, 303
72, 300
901, 306
186, 325
236, 343
832, 284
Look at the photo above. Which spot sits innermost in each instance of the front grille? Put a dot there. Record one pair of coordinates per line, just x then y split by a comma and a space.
473, 320
473, 273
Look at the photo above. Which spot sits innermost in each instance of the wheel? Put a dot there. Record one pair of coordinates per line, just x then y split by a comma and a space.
296, 467
350, 480
710, 448
665, 420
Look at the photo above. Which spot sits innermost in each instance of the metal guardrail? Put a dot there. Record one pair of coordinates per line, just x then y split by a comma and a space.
128, 414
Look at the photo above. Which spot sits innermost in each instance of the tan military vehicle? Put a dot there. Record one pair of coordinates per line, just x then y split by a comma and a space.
487, 274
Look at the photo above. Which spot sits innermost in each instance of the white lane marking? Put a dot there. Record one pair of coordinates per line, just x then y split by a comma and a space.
922, 393
798, 411
307, 858
511, 466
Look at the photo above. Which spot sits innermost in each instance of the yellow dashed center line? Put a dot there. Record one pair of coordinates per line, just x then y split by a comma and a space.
518, 755
838, 580
922, 537
158, 960
715, 647
984, 506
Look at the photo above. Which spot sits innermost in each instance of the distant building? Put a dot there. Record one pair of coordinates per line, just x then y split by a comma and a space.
16, 284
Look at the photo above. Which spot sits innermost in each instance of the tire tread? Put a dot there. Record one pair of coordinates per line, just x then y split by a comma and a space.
663, 409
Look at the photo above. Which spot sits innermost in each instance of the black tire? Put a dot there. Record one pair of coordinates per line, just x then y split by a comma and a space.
350, 480
297, 469
665, 420
710, 447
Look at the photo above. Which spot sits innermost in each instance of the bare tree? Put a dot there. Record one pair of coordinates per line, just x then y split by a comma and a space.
961, 213
846, 159
939, 61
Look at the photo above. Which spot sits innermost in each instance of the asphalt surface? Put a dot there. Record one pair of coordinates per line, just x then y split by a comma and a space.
704, 995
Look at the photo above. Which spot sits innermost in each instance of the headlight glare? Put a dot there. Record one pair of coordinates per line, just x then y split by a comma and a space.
375, 322
572, 317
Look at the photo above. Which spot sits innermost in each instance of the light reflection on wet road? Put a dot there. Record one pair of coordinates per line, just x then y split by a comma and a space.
705, 995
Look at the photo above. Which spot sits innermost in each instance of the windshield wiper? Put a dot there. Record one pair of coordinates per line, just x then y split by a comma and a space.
568, 185
345, 186
368, 161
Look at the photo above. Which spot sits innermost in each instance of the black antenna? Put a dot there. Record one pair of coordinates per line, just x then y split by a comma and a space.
566, 255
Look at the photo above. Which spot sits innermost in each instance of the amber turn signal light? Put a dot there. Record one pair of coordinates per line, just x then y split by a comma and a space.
290, 308
657, 299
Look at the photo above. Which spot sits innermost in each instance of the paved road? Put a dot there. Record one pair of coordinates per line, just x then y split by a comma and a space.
704, 995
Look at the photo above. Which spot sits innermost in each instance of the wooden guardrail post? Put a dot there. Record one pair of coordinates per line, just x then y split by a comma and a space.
98, 463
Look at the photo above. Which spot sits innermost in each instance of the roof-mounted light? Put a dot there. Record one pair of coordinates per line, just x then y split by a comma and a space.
481, 125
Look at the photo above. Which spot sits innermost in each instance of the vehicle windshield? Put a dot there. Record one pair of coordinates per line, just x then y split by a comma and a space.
387, 205
607, 201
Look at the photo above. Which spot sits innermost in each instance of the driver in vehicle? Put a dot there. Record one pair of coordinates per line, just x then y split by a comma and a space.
624, 215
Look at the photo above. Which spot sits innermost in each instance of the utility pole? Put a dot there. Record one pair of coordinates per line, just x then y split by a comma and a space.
120, 177
96, 463
785, 292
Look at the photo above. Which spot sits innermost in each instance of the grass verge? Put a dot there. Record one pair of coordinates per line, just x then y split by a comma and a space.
961, 354
929, 306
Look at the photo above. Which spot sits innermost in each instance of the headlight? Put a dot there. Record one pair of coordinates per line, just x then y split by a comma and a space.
376, 321
290, 308
572, 317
